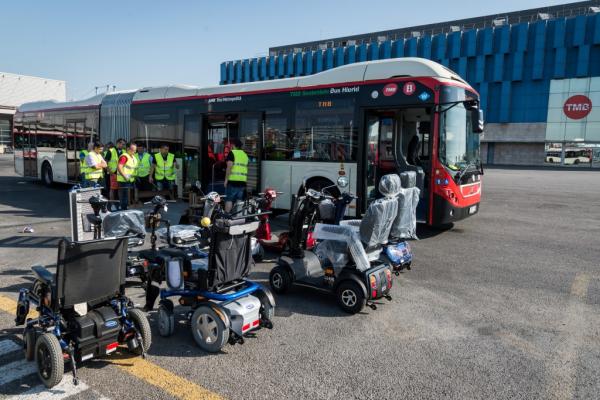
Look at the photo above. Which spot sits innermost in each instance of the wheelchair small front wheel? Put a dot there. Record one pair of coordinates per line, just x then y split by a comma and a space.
166, 319
139, 320
49, 360
29, 343
208, 329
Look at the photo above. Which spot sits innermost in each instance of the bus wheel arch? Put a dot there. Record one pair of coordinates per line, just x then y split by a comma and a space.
47, 176
318, 183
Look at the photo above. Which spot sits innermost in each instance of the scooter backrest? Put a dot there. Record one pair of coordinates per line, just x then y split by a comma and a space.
377, 222
174, 273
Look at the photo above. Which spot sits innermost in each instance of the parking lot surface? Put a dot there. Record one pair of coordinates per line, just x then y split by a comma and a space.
504, 305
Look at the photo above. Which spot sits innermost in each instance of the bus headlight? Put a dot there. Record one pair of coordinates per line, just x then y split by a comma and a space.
342, 181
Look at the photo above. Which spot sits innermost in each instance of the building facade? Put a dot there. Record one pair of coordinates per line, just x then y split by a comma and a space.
535, 71
19, 89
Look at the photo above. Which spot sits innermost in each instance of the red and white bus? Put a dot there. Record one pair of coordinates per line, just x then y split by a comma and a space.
361, 120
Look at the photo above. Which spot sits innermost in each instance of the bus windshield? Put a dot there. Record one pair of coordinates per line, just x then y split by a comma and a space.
459, 145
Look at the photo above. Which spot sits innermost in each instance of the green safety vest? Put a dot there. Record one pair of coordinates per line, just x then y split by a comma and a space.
165, 169
114, 161
83, 168
94, 174
129, 167
239, 170
143, 169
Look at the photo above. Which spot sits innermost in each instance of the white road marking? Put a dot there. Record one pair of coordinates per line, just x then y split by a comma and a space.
9, 346
15, 370
63, 390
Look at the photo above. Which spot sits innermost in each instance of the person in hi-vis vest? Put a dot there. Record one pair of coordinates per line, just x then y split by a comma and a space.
95, 165
163, 172
112, 160
126, 171
83, 168
236, 174
142, 181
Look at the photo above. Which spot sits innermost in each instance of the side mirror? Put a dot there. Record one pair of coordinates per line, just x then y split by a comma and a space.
198, 185
342, 181
477, 120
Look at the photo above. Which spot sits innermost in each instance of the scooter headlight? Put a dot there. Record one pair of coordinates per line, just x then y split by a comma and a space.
342, 181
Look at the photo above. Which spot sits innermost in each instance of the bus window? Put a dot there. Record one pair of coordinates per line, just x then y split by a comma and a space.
276, 138
250, 127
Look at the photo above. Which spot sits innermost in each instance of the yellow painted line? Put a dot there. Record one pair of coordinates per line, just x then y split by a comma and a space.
149, 372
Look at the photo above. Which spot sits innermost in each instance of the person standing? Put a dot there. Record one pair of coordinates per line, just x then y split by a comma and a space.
126, 169
163, 169
83, 168
144, 167
112, 161
236, 175
95, 165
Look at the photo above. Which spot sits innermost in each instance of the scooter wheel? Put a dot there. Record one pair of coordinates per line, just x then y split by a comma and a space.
209, 330
350, 297
49, 360
29, 343
140, 321
280, 279
166, 319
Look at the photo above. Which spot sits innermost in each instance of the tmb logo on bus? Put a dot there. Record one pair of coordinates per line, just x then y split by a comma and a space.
409, 88
390, 89
577, 107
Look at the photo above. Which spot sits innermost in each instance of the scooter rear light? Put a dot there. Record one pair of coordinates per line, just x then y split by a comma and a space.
373, 282
145, 264
111, 347
245, 327
388, 275
255, 323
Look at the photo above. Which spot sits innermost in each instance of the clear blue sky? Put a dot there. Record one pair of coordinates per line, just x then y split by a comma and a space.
131, 43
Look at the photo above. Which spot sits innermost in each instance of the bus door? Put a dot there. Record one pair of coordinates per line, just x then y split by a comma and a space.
250, 134
192, 129
398, 141
219, 128
30, 152
75, 143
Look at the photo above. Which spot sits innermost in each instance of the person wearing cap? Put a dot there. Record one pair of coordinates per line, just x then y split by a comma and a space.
95, 164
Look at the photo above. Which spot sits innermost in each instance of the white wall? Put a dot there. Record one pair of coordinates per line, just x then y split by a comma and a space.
18, 89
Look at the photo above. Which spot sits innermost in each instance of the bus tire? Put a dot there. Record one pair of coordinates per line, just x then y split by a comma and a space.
47, 176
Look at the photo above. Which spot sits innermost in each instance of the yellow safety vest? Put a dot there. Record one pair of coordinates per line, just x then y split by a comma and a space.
143, 169
239, 170
114, 161
83, 168
129, 167
94, 174
165, 169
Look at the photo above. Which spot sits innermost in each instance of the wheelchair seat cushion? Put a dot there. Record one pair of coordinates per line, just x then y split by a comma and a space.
42, 274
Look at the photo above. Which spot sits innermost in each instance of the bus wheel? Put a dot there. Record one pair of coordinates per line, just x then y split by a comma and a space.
320, 183
47, 175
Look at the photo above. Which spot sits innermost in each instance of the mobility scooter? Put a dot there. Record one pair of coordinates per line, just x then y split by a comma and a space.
346, 258
225, 306
83, 310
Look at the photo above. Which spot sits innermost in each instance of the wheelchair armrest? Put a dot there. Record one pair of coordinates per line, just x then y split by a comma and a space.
42, 274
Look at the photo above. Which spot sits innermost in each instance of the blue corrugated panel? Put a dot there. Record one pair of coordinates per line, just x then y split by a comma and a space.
595, 61
230, 71
560, 63
519, 33
438, 46
583, 61
505, 102
539, 31
262, 69
596, 31
502, 39
445, 62
398, 48
318, 58
485, 45
280, 69
289, 65
373, 51
298, 66
223, 74
308, 62
362, 52
350, 56
424, 45
462, 67
483, 94
579, 30
254, 70
246, 71
479, 69
558, 29
498, 67
410, 47
571, 62
385, 50
328, 59
469, 45
237, 76
454, 44
517, 65
272, 67
338, 58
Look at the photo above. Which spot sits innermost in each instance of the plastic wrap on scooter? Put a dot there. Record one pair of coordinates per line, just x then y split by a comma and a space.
187, 233
345, 234
375, 226
124, 223
333, 251
408, 179
405, 223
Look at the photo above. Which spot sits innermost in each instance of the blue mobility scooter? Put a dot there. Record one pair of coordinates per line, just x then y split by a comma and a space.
83, 310
225, 306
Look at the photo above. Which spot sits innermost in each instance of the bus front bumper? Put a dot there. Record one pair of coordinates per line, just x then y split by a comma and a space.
444, 213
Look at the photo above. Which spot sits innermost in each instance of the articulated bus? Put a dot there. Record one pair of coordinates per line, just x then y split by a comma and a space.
360, 121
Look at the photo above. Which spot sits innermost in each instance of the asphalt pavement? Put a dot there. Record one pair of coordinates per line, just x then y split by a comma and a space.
504, 305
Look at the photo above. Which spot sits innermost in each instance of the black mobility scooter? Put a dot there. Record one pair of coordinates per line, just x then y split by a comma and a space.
346, 257
225, 306
83, 310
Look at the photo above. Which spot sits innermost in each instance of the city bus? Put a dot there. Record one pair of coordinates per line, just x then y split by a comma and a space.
359, 121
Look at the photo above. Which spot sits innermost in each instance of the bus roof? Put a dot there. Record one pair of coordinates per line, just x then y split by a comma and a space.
357, 72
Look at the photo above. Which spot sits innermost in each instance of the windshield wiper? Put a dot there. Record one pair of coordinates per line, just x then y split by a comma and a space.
465, 169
